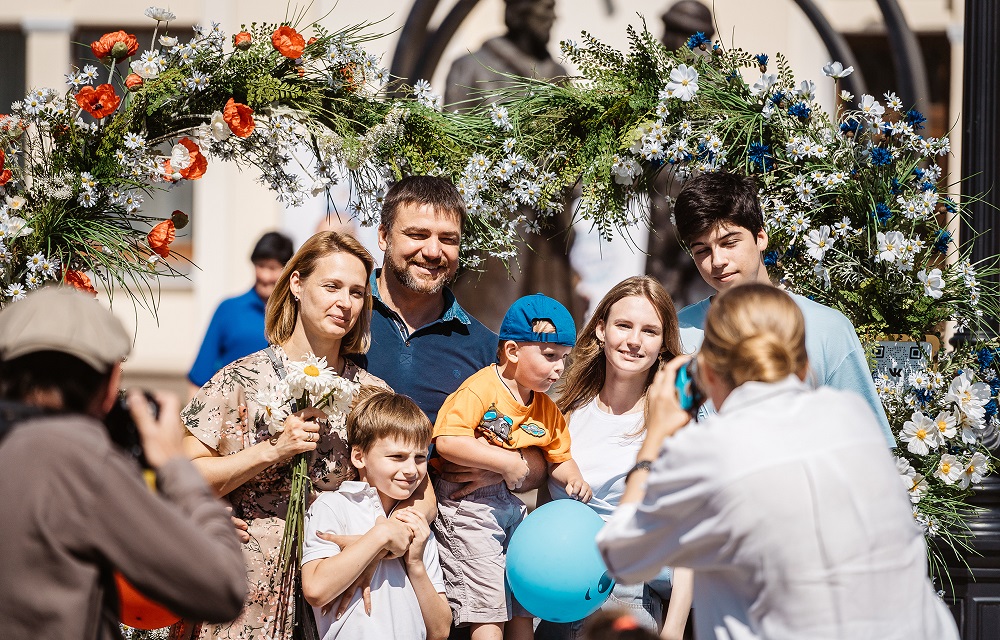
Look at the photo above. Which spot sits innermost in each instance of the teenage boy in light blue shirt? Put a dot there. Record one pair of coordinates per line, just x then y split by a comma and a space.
719, 219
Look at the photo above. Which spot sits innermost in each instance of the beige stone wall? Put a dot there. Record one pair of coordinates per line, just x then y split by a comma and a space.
230, 210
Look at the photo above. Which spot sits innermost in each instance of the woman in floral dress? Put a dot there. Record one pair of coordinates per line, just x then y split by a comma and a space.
321, 305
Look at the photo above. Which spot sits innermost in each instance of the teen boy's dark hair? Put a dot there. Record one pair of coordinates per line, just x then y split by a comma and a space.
710, 199
273, 246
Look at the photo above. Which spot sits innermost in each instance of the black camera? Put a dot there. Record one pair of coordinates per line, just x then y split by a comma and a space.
121, 427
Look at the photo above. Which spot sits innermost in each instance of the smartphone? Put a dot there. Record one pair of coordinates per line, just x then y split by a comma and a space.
688, 393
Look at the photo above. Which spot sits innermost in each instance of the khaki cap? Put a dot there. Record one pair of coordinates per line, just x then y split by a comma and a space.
65, 320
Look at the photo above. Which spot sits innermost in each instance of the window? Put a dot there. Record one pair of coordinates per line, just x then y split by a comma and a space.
12, 45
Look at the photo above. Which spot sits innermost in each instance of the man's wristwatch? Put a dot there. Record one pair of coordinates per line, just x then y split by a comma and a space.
641, 465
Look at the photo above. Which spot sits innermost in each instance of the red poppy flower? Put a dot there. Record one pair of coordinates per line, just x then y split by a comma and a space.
5, 174
116, 44
288, 42
160, 237
199, 163
99, 102
133, 81
239, 117
79, 280
242, 40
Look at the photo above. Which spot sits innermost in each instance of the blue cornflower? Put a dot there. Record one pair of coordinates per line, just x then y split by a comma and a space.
894, 187
778, 97
882, 213
887, 129
985, 357
918, 172
994, 386
990, 409
760, 154
927, 185
799, 110
770, 258
949, 205
915, 119
881, 157
792, 252
850, 126
762, 61
942, 241
924, 396
698, 39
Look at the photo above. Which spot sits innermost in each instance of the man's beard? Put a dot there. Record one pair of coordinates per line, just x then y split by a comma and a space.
407, 279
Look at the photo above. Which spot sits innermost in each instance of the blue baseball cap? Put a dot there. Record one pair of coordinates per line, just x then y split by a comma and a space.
518, 320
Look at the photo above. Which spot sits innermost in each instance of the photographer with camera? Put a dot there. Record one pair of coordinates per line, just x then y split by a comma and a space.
76, 509
784, 504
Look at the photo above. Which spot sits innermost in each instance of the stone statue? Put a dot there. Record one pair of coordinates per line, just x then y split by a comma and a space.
542, 264
666, 260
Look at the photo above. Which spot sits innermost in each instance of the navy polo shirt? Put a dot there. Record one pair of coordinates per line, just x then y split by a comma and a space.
429, 364
236, 330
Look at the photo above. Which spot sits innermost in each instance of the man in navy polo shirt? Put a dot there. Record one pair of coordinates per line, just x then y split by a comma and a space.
237, 326
424, 344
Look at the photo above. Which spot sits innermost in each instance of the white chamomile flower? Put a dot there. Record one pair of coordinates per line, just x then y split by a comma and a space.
49, 267
309, 375
683, 83
974, 470
946, 425
932, 281
16, 291
819, 241
160, 15
34, 262
273, 401
837, 70
949, 469
920, 433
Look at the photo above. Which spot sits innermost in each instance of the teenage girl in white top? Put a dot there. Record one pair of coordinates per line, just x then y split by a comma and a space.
604, 396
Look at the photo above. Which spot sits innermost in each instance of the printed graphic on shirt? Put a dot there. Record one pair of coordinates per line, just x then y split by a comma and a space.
495, 426
533, 428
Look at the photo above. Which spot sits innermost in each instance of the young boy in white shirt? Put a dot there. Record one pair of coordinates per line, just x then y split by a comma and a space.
389, 437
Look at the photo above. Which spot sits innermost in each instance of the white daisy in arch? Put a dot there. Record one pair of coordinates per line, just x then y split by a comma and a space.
920, 434
949, 469
683, 83
975, 469
819, 241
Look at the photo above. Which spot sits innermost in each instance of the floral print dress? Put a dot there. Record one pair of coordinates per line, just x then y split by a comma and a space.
226, 417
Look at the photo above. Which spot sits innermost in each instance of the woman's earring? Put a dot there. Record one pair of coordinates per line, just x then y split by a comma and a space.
600, 343
295, 298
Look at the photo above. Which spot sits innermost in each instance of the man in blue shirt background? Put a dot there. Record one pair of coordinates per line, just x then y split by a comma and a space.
237, 326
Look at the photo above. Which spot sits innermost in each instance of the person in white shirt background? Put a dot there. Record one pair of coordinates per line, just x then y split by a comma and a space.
786, 504
633, 328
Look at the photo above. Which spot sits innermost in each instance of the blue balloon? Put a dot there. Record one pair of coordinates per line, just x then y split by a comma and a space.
553, 566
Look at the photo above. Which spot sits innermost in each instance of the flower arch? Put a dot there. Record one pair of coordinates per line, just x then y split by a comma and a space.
856, 207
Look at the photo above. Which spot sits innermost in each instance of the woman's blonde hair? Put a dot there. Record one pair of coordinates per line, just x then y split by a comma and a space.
584, 376
754, 332
283, 310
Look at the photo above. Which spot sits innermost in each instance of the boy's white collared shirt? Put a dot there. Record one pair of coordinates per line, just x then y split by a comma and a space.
352, 510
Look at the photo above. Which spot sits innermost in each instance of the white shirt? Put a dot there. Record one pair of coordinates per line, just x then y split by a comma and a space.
604, 446
788, 507
351, 510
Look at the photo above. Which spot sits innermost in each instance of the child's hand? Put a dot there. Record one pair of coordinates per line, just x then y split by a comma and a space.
421, 532
578, 489
517, 473
397, 535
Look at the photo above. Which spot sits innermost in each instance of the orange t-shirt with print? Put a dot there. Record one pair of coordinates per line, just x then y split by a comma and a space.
484, 406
